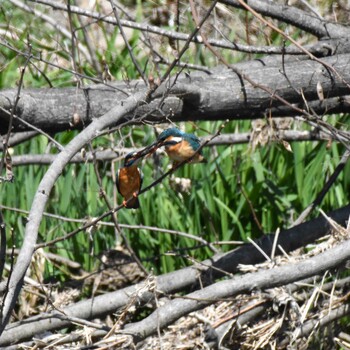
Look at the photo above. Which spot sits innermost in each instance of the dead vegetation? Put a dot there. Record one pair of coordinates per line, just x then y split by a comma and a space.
299, 315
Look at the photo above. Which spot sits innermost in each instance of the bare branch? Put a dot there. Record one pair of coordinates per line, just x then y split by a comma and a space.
325, 189
224, 139
126, 42
176, 308
294, 16
17, 138
2, 244
173, 310
308, 327
197, 97
47, 159
210, 269
135, 227
225, 44
52, 22
113, 116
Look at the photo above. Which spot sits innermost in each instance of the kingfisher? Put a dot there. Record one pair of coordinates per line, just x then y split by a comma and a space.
180, 146
129, 180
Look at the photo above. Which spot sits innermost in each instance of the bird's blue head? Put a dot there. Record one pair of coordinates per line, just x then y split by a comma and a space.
132, 158
174, 132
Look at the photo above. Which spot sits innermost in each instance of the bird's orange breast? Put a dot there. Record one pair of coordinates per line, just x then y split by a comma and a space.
182, 151
129, 181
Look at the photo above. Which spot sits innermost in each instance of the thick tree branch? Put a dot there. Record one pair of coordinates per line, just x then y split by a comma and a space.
195, 97
173, 310
47, 159
289, 240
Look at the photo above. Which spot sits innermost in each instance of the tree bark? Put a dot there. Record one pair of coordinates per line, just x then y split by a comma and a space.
224, 94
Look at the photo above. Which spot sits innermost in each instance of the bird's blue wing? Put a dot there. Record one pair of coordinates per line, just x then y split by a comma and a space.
193, 140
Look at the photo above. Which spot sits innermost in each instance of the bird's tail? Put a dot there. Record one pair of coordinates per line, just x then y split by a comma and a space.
133, 203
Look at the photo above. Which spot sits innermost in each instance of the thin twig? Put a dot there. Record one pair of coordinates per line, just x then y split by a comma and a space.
204, 38
114, 218
126, 42
13, 110
52, 22
114, 210
19, 137
131, 227
327, 186
250, 204
60, 67
275, 240
259, 249
182, 51
225, 44
37, 130
2, 243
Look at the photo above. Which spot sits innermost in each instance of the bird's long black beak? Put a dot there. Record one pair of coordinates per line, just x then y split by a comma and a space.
147, 151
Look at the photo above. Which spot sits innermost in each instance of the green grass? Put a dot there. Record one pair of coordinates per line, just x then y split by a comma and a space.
279, 185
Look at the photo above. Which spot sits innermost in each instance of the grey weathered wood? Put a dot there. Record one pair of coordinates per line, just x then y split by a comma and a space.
198, 96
